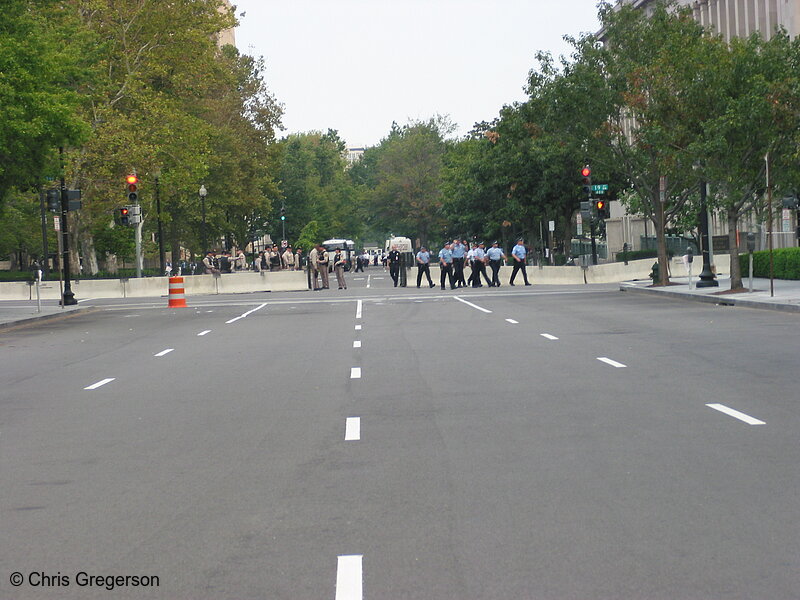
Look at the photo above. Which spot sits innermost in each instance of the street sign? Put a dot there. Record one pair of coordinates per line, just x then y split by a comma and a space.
787, 220
579, 220
284, 243
600, 187
57, 223
551, 225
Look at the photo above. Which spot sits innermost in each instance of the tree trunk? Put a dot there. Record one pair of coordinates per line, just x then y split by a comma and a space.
660, 225
89, 253
736, 271
74, 255
112, 266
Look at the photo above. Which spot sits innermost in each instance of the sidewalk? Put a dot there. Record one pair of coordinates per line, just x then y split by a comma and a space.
14, 313
786, 298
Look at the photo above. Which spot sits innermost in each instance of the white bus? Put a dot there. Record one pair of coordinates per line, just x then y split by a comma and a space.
348, 247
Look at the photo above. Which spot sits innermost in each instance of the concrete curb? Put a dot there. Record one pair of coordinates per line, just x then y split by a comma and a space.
32, 320
716, 300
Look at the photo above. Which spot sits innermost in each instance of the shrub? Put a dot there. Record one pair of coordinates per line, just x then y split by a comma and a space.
786, 263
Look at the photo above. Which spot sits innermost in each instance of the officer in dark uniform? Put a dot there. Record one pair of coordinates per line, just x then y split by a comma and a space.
394, 264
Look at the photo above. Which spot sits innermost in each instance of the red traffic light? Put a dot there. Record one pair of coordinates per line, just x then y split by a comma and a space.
586, 171
601, 204
132, 179
123, 211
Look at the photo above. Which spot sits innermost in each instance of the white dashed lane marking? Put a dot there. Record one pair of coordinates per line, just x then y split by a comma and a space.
736, 414
94, 386
355, 373
613, 363
357, 344
550, 337
202, 333
352, 429
349, 578
164, 352
512, 321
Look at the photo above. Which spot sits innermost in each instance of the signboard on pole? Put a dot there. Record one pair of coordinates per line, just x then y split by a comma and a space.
787, 220
551, 226
662, 188
579, 220
57, 223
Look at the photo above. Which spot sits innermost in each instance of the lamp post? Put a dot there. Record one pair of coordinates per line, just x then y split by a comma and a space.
707, 277
203, 193
161, 254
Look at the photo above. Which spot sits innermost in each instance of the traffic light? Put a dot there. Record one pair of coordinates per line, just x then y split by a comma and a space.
133, 188
283, 214
124, 216
53, 200
586, 178
601, 209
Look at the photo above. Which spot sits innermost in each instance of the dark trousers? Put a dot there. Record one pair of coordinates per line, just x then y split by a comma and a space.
495, 265
519, 266
458, 270
394, 271
447, 271
479, 268
424, 268
359, 265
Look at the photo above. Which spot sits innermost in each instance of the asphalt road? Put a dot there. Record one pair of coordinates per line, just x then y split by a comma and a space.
400, 443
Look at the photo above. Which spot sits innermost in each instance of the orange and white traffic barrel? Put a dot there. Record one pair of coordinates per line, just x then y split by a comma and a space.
177, 296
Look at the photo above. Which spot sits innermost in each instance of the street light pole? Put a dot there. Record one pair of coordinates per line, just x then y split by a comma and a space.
203, 193
161, 254
707, 278
68, 299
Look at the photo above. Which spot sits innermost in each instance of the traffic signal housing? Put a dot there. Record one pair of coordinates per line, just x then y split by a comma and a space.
283, 214
586, 179
124, 216
602, 209
132, 182
54, 200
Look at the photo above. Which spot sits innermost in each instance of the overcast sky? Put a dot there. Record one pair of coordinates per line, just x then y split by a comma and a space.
357, 65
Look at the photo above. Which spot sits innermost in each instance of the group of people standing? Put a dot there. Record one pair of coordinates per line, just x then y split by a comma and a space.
274, 260
453, 257
320, 260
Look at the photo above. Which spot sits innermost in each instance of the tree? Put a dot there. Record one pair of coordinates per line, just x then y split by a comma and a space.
39, 114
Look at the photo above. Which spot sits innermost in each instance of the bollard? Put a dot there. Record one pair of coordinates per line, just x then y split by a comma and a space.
177, 296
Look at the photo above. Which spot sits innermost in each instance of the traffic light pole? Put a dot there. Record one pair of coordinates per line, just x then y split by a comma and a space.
68, 298
594, 243
45, 251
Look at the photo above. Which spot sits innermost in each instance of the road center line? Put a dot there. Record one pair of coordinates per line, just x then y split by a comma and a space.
94, 386
355, 373
512, 321
358, 327
368, 279
357, 344
164, 352
202, 333
352, 429
613, 363
349, 578
552, 337
472, 305
359, 305
736, 414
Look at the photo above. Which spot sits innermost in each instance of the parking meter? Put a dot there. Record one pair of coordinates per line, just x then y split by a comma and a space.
751, 245
690, 255
751, 242
625, 252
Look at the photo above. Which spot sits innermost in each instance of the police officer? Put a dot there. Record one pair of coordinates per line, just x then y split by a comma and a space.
479, 266
518, 253
322, 265
394, 264
459, 250
424, 266
446, 265
496, 258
